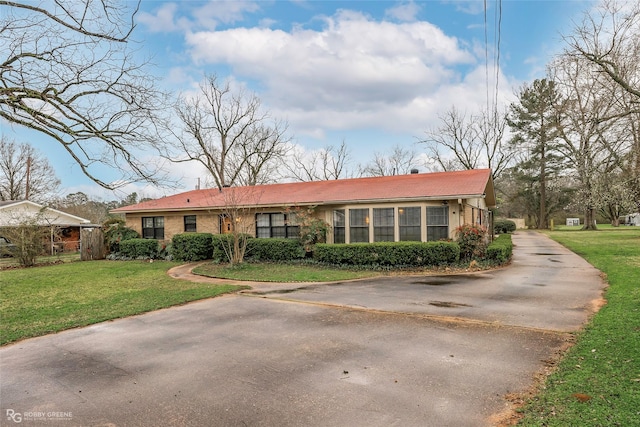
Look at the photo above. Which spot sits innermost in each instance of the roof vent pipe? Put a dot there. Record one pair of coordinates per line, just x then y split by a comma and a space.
414, 171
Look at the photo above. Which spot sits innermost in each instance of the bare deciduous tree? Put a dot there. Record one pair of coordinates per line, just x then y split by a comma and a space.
67, 72
608, 38
469, 142
238, 220
329, 163
591, 129
399, 162
25, 173
227, 132
31, 234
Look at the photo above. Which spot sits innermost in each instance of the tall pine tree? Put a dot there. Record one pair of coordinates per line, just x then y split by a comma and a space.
534, 123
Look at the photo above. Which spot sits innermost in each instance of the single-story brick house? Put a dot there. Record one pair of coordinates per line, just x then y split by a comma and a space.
417, 206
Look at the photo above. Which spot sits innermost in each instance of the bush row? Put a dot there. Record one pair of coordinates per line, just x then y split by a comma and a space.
258, 249
401, 254
500, 249
140, 249
192, 247
274, 249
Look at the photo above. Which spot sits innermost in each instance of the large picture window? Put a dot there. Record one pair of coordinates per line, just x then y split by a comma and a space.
190, 223
339, 224
153, 227
359, 225
383, 225
409, 224
278, 225
437, 223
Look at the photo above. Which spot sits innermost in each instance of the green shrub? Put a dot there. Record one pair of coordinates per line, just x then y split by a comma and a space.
115, 232
274, 249
398, 254
472, 239
500, 250
312, 229
140, 248
503, 226
192, 246
223, 244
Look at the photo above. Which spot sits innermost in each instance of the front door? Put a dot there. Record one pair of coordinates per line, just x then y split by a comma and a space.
225, 224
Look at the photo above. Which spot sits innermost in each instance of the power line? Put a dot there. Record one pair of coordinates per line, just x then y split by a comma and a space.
486, 54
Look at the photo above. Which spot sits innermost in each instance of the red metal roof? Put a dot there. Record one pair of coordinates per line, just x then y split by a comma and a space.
437, 185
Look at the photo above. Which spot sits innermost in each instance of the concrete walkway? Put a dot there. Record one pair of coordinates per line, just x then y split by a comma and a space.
409, 351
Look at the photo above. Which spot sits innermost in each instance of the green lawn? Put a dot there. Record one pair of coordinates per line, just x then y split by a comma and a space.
273, 272
9, 262
41, 300
598, 382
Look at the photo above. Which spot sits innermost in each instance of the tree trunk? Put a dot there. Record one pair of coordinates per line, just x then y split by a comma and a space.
543, 222
590, 219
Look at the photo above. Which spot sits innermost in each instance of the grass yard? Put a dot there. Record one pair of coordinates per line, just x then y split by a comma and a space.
11, 262
41, 300
272, 272
598, 382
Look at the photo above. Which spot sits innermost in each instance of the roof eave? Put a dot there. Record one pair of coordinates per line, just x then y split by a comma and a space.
306, 203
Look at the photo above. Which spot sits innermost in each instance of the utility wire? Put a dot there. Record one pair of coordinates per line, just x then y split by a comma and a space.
486, 54
497, 55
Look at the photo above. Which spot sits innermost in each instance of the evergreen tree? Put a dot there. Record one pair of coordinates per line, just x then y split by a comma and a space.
534, 123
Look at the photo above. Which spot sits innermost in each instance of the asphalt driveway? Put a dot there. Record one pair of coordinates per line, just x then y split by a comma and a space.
410, 351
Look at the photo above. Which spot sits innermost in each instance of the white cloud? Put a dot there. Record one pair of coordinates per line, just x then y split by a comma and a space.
355, 72
471, 7
405, 12
164, 19
208, 17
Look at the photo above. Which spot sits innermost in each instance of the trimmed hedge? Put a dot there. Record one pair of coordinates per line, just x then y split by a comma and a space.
192, 246
279, 250
275, 249
504, 226
140, 248
220, 242
399, 254
500, 249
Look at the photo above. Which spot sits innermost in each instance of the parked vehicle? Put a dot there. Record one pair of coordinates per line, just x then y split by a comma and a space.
7, 249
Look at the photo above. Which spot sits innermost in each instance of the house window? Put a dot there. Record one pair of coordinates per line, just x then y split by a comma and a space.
383, 224
409, 224
437, 223
359, 225
293, 229
190, 223
153, 227
277, 225
338, 226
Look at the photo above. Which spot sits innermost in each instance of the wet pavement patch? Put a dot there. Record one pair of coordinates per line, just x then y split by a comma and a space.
447, 279
432, 282
448, 304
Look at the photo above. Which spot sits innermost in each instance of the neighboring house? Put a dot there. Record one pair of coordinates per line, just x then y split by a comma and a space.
65, 228
420, 207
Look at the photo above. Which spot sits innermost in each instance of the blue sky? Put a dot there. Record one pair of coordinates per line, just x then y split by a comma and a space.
372, 73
